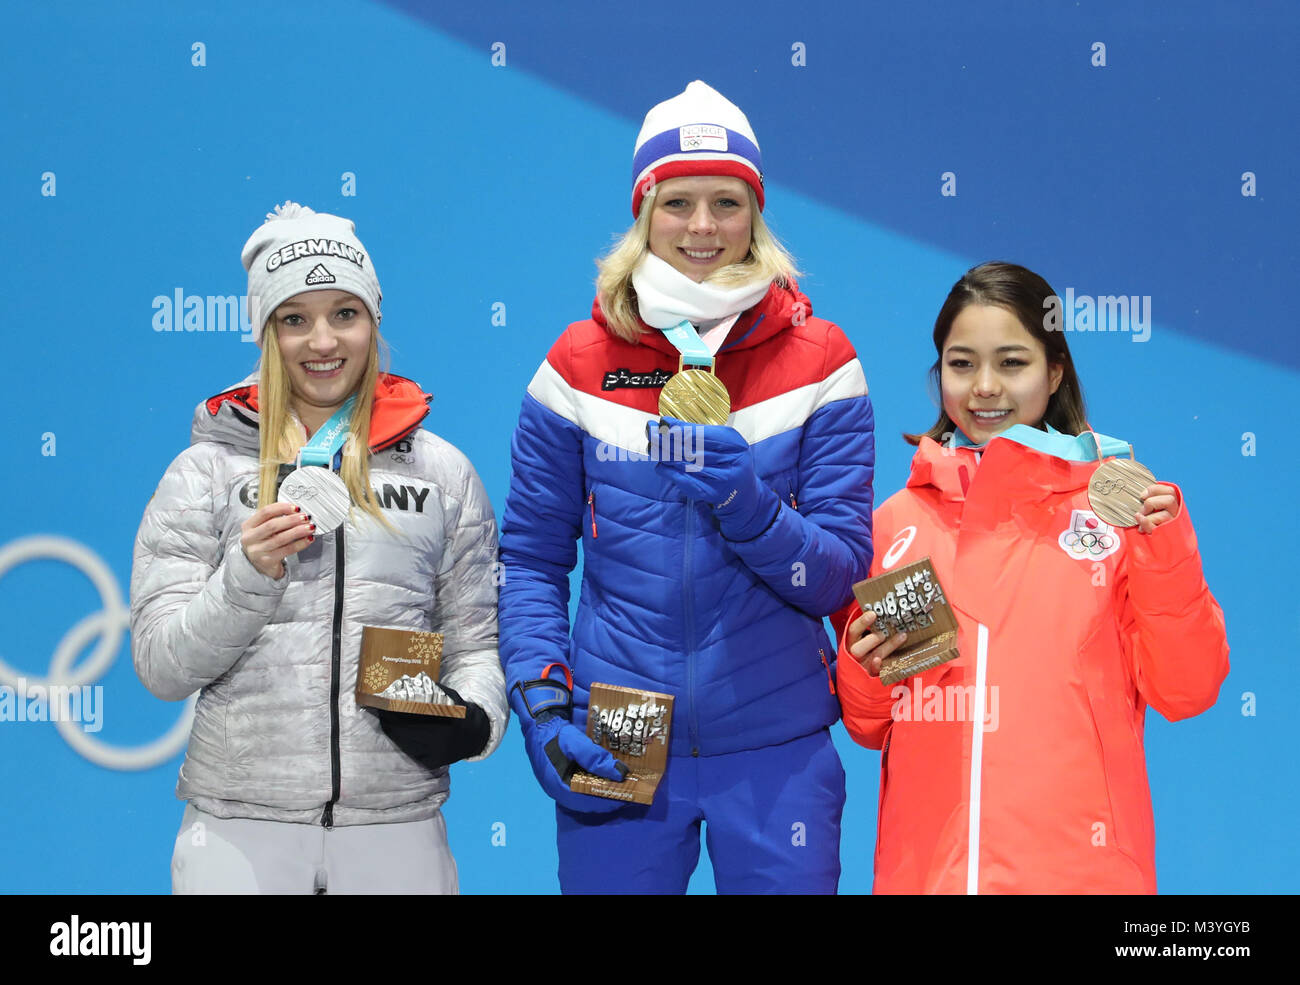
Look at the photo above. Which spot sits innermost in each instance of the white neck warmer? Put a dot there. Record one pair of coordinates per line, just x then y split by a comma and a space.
666, 296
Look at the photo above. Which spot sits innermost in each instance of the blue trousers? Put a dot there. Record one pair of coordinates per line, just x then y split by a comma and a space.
771, 817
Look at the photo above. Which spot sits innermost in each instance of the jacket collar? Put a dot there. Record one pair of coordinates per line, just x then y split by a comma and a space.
775, 313
1027, 461
232, 415
1072, 448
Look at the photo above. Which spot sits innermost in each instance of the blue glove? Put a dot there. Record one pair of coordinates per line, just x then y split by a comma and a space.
557, 748
717, 466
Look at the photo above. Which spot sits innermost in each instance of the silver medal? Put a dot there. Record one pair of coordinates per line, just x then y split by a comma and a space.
319, 492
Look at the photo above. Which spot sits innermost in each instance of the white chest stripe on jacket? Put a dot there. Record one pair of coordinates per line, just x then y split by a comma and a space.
624, 427
976, 763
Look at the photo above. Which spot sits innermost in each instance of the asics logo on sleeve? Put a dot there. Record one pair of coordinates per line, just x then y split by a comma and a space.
902, 541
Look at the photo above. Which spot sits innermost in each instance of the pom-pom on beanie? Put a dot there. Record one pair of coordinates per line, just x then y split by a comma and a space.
298, 250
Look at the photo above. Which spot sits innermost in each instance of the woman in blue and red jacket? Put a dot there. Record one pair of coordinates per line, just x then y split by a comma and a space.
710, 552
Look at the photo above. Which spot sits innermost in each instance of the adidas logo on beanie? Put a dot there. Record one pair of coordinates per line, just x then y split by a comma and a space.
289, 253
319, 275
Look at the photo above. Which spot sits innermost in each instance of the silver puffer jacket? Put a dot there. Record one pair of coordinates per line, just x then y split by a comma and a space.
277, 734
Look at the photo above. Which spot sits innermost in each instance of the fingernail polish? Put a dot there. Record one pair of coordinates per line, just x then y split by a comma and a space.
310, 538
297, 509
313, 526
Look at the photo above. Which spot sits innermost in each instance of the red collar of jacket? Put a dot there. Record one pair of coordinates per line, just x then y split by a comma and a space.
400, 405
1020, 471
780, 308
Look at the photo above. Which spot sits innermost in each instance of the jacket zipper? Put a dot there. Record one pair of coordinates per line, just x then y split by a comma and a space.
880, 802
688, 614
591, 501
976, 763
336, 650
829, 679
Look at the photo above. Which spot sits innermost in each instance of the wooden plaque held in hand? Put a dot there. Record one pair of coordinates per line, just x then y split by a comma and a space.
398, 670
633, 725
910, 600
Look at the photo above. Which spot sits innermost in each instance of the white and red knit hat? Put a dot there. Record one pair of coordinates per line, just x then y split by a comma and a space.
699, 132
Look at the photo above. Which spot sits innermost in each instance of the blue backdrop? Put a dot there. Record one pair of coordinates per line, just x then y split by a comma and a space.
485, 154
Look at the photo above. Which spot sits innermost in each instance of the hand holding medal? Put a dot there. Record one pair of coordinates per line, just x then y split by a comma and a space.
274, 532
719, 470
320, 492
314, 486
1159, 505
717, 465
312, 499
1124, 493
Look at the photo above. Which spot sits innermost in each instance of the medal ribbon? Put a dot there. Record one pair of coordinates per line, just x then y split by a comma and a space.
326, 445
688, 342
1114, 444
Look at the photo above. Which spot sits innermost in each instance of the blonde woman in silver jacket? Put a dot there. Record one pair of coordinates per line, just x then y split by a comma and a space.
259, 607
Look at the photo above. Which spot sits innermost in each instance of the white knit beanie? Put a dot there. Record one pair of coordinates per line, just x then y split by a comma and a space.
298, 250
699, 132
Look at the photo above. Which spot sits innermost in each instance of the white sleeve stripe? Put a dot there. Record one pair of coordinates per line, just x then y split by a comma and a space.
604, 420
550, 390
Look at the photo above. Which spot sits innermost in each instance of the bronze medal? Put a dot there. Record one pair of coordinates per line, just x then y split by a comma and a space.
1115, 491
695, 396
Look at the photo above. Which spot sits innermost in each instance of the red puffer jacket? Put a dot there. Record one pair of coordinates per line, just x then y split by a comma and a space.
1019, 767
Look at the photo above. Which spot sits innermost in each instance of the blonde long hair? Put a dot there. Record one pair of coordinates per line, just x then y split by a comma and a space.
280, 437
767, 260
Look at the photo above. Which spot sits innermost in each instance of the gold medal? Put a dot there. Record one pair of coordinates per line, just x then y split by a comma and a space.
695, 396
1115, 491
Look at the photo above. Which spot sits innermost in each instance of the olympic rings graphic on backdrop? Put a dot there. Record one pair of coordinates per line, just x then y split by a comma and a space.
105, 627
